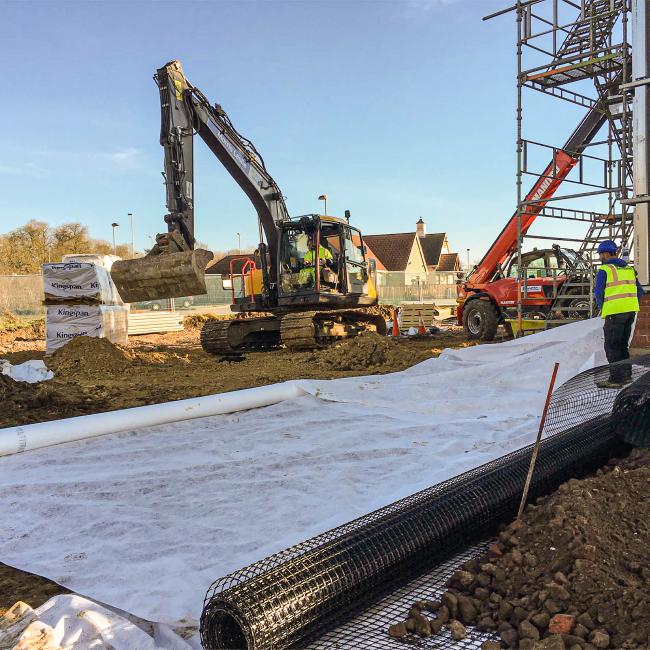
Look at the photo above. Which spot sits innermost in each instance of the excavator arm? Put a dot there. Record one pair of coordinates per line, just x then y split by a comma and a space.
558, 169
174, 267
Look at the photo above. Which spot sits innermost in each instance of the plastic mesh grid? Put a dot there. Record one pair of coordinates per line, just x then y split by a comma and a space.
632, 413
289, 599
579, 399
368, 630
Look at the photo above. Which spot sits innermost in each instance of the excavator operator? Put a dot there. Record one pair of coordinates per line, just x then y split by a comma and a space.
307, 274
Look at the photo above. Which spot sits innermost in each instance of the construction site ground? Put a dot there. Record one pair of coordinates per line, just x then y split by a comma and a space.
92, 375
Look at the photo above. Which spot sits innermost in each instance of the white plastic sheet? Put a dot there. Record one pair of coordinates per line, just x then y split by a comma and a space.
145, 520
67, 282
30, 371
70, 622
93, 258
65, 322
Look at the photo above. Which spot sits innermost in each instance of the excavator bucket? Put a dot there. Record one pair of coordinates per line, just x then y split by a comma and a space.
166, 275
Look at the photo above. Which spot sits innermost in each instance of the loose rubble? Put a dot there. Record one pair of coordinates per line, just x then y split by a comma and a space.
573, 574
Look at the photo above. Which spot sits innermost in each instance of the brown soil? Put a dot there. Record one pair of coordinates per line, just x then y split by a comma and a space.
23, 403
18, 585
573, 574
365, 351
95, 375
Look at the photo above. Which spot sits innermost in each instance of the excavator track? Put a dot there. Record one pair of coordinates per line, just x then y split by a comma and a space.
314, 329
231, 337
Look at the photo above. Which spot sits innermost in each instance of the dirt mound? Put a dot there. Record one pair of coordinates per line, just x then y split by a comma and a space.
85, 355
380, 310
364, 351
196, 321
23, 403
572, 574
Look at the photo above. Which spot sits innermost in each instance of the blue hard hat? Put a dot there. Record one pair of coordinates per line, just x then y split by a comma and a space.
607, 246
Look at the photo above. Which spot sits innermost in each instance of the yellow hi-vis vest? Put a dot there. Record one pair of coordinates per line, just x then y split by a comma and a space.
620, 291
323, 254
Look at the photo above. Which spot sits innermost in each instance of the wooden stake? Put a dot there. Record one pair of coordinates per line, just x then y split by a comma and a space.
533, 458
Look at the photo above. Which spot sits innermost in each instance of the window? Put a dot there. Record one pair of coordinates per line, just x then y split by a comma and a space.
354, 246
355, 261
294, 246
535, 268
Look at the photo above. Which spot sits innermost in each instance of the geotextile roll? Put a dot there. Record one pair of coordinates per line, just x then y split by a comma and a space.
290, 598
43, 434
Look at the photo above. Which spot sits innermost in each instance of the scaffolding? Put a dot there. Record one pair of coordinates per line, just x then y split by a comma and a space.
574, 52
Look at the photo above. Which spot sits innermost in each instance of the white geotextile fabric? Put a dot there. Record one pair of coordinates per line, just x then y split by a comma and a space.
30, 371
71, 622
145, 520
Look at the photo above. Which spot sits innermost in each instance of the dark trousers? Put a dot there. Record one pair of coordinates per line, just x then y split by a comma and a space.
618, 329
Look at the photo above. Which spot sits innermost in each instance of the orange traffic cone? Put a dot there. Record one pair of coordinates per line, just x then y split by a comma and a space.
421, 329
395, 323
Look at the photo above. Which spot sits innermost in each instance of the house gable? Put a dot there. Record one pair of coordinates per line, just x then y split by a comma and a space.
393, 250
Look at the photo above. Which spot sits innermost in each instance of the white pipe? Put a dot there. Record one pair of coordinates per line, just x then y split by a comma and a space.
43, 434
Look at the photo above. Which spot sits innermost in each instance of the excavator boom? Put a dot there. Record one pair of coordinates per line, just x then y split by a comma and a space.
174, 268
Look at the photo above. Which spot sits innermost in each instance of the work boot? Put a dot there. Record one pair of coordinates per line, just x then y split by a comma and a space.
608, 383
626, 381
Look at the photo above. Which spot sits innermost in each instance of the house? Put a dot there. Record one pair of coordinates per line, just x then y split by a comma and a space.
407, 257
223, 266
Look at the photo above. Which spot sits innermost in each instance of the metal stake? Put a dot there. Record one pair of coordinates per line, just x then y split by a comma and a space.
533, 458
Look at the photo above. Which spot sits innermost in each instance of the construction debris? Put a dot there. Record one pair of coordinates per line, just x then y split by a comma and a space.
572, 574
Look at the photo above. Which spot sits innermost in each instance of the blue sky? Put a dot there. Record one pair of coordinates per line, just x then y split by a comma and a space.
395, 109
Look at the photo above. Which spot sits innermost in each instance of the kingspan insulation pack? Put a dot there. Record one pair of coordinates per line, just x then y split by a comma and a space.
82, 300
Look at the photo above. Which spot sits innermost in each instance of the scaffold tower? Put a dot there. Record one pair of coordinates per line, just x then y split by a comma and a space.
579, 53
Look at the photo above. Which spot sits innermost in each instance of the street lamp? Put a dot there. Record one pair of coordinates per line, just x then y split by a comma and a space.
323, 197
130, 215
114, 225
239, 243
468, 259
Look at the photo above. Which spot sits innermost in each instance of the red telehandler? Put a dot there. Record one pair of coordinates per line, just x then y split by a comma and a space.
489, 295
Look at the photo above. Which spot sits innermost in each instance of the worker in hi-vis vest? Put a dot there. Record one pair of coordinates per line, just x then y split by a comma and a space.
618, 294
307, 274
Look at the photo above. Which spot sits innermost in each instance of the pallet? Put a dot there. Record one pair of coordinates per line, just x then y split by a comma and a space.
411, 312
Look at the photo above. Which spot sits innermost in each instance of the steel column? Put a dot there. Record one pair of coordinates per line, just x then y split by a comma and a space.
641, 126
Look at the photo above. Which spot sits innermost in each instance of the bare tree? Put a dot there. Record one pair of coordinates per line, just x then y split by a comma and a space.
24, 249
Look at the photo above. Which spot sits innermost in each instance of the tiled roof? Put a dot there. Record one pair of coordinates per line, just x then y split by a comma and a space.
222, 267
370, 254
432, 247
449, 262
393, 250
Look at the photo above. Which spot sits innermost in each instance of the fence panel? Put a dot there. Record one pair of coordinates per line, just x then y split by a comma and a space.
22, 295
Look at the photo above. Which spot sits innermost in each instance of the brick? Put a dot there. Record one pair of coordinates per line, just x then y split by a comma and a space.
561, 624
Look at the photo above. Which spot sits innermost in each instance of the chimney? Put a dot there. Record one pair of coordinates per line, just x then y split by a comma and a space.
421, 228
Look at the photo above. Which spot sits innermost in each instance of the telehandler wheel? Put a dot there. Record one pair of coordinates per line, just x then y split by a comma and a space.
480, 320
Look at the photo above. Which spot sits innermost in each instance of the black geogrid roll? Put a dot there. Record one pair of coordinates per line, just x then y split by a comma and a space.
631, 413
291, 598
285, 601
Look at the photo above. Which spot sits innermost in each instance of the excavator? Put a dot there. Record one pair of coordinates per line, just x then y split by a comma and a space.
490, 293
308, 280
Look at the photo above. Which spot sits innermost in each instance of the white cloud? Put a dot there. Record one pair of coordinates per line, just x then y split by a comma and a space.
126, 157
24, 169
